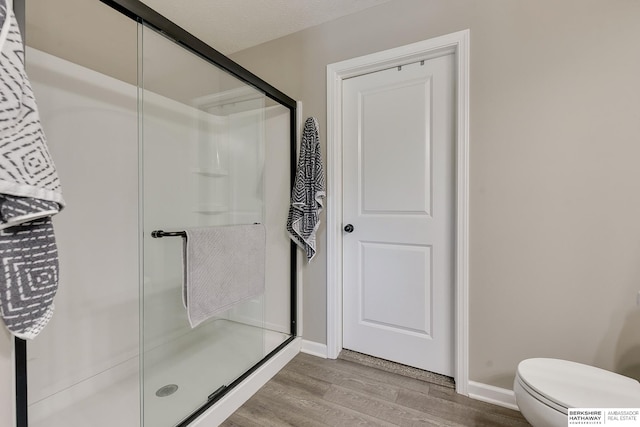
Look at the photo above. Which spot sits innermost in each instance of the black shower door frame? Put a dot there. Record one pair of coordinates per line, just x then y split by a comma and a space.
144, 15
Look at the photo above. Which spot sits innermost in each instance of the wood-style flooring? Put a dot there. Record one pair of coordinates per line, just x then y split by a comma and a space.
311, 391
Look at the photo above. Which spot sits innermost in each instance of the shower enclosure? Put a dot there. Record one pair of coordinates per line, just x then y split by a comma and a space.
151, 129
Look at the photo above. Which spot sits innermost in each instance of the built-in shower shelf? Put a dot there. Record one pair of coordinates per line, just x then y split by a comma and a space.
214, 173
211, 209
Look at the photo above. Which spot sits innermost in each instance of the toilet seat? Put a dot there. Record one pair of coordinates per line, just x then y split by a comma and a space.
541, 397
561, 384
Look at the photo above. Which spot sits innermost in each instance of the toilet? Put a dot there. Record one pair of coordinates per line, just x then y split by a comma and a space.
546, 388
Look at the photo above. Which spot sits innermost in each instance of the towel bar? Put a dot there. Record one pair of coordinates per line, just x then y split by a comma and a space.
156, 234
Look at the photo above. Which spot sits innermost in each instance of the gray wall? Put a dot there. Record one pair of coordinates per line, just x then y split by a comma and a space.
555, 125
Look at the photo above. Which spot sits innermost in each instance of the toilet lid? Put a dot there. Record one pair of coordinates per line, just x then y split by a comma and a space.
574, 385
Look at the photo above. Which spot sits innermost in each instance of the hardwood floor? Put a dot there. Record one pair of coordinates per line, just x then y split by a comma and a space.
312, 391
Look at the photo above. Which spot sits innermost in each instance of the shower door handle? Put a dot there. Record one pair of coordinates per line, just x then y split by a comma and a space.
348, 228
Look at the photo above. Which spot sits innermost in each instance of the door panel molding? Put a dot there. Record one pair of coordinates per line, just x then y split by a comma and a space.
458, 44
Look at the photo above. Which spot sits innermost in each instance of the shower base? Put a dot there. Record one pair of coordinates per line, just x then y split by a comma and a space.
112, 397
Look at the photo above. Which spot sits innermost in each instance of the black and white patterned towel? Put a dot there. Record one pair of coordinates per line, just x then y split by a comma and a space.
308, 191
30, 194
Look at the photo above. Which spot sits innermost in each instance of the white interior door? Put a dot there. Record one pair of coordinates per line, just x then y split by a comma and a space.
398, 195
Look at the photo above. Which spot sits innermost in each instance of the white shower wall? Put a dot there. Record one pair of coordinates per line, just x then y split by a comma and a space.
204, 169
91, 122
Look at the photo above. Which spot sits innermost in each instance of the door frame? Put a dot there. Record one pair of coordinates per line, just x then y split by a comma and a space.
458, 44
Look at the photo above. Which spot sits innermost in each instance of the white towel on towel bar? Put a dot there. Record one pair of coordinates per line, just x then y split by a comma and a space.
223, 266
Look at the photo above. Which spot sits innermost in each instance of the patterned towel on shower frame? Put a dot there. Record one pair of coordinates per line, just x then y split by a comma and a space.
29, 195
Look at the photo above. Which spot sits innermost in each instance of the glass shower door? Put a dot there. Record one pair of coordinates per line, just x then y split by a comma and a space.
147, 135
203, 150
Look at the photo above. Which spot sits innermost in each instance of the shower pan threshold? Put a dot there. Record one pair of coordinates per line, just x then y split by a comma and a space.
229, 403
199, 363
112, 397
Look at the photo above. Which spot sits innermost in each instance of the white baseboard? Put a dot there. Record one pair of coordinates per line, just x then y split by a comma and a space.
494, 395
222, 409
314, 348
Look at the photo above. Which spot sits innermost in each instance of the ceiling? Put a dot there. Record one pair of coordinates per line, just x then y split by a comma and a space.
233, 25
93, 35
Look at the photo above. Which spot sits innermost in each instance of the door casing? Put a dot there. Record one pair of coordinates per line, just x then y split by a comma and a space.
458, 44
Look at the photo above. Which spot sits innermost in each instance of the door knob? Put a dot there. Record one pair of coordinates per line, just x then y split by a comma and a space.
348, 228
